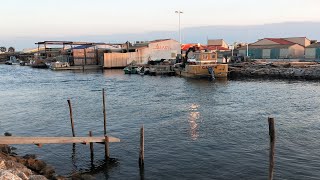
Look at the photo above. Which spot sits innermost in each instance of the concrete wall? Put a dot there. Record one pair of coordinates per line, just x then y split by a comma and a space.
296, 51
163, 50
310, 53
218, 42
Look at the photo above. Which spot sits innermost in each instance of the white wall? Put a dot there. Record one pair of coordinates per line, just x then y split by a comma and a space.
163, 50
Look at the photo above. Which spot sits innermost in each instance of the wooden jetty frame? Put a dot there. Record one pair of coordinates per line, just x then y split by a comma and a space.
55, 140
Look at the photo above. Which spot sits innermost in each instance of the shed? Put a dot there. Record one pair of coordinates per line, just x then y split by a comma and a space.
84, 55
276, 51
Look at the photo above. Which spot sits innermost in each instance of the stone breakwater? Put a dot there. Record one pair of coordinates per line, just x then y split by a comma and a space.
282, 70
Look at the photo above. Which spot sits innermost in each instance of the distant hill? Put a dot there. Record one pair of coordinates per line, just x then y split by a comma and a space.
192, 34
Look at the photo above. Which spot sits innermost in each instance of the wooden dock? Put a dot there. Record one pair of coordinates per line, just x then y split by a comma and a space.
54, 140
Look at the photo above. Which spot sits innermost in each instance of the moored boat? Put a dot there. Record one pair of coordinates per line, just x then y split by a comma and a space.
203, 65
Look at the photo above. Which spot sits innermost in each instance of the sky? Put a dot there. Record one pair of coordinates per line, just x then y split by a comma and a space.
84, 17
57, 18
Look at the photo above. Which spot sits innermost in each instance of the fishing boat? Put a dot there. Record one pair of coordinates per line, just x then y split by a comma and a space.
202, 65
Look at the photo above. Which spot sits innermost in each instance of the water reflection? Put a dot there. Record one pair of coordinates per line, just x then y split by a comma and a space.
193, 121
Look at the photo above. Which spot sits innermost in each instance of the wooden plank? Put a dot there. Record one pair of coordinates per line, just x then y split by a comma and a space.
53, 140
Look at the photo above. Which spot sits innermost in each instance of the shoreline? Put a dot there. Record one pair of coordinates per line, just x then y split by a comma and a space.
28, 167
276, 70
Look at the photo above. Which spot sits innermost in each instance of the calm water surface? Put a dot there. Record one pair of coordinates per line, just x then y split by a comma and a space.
194, 129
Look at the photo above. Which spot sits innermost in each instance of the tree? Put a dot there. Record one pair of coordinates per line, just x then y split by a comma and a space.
11, 49
3, 49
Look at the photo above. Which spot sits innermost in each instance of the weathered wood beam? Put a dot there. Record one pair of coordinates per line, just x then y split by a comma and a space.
54, 140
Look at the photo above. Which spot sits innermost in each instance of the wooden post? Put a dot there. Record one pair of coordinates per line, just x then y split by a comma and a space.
141, 154
104, 113
71, 118
271, 129
91, 147
106, 148
272, 146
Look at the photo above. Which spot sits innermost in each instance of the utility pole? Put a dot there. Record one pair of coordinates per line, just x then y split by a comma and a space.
179, 12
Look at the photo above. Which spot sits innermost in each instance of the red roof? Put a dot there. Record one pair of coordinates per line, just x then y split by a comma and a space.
280, 41
185, 47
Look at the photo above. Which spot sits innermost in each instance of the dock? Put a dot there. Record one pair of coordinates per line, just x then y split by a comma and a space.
9, 140
86, 67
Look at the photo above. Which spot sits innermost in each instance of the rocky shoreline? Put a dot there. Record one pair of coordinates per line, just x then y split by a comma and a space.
280, 70
15, 167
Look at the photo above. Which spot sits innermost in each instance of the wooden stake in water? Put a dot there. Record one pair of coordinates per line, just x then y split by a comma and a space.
91, 148
272, 146
71, 118
104, 113
141, 154
106, 148
271, 129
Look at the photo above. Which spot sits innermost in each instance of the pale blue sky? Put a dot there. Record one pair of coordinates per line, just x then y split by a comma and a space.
41, 18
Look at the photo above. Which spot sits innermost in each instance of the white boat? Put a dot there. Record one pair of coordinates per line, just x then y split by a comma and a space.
12, 61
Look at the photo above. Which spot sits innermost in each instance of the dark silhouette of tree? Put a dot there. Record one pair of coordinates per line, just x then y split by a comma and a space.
3, 49
11, 49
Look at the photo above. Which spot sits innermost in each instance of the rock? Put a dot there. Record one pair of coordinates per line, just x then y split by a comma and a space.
29, 156
48, 172
13, 165
35, 164
7, 134
5, 174
37, 177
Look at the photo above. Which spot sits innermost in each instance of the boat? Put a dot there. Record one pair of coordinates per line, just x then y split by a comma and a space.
202, 65
39, 64
12, 61
130, 69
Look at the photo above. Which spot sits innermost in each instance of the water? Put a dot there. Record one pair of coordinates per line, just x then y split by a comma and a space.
194, 129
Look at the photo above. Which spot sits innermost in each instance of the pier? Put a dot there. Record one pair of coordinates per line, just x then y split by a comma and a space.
9, 140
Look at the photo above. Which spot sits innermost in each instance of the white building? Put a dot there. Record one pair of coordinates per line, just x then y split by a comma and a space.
144, 51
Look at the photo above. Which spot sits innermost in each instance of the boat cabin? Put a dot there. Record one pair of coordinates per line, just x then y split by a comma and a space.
203, 58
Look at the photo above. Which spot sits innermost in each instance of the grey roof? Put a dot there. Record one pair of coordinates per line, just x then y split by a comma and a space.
280, 46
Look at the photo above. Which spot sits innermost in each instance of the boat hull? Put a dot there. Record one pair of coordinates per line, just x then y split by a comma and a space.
202, 71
